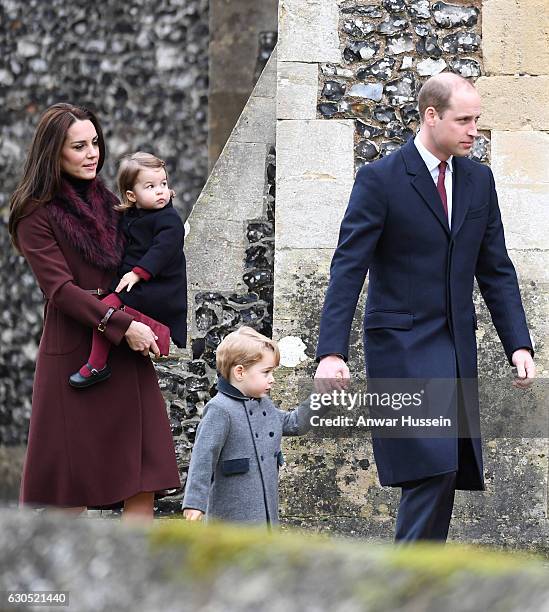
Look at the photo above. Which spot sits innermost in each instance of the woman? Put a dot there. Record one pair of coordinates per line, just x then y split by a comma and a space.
113, 443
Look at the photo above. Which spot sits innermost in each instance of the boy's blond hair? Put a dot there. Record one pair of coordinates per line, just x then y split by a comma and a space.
244, 347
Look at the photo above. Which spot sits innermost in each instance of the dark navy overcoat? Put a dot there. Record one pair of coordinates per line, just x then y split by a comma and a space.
420, 320
154, 242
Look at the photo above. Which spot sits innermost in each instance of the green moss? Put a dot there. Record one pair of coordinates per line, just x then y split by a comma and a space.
204, 549
417, 569
209, 547
435, 560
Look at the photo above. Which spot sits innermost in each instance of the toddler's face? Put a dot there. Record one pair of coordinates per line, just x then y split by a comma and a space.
151, 189
257, 380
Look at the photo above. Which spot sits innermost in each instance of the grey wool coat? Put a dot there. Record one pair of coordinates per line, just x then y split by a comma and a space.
233, 474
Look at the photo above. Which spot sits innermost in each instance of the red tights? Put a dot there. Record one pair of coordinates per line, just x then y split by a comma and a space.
100, 345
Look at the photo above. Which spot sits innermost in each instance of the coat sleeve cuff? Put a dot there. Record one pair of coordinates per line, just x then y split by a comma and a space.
340, 355
194, 504
518, 348
117, 326
142, 273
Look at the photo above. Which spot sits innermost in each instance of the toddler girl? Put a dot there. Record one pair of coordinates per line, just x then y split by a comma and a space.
153, 267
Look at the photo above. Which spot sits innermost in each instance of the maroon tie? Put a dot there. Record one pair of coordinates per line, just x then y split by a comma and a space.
440, 186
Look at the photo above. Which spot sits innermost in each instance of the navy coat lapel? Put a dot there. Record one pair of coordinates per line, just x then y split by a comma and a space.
462, 194
423, 183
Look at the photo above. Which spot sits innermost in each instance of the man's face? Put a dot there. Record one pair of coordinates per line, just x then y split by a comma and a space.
455, 132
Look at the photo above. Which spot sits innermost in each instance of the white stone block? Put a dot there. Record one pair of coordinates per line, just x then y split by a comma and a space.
519, 162
520, 157
525, 215
514, 102
257, 122
315, 174
308, 31
297, 90
301, 277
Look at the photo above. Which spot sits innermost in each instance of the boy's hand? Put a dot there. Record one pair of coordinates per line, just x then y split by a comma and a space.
128, 280
190, 514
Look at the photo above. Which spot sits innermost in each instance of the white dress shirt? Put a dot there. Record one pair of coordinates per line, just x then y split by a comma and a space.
432, 163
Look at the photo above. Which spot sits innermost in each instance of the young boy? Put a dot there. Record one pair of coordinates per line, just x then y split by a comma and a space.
233, 473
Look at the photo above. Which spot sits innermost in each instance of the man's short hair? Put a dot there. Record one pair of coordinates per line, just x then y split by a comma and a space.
244, 347
437, 92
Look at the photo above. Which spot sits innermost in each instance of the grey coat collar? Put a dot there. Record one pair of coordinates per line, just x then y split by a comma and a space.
225, 387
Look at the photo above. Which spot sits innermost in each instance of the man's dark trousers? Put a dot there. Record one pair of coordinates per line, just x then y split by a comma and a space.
426, 508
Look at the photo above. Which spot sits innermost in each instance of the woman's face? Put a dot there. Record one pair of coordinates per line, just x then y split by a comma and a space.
80, 152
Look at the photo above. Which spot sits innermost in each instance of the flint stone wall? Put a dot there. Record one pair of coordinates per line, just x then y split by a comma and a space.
389, 49
143, 66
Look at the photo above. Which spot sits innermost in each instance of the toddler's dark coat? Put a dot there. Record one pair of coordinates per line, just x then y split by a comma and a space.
154, 242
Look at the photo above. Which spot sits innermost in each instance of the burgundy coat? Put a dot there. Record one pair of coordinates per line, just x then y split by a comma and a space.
94, 446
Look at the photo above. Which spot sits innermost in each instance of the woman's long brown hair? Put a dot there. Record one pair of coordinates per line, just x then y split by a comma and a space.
42, 170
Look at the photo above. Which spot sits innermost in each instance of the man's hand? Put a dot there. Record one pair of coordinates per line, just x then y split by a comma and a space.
190, 514
128, 280
332, 373
526, 369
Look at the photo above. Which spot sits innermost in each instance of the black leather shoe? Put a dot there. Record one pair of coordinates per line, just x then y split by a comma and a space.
78, 381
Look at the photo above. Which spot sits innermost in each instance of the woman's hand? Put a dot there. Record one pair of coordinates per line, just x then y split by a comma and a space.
140, 337
190, 514
128, 280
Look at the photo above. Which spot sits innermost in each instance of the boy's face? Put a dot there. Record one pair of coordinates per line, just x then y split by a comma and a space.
256, 380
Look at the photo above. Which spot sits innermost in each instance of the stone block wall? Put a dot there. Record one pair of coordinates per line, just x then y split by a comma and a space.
242, 36
348, 76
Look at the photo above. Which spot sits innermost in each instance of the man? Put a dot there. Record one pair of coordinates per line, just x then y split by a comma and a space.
425, 221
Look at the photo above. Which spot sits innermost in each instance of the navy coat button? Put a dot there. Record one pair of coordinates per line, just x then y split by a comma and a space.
261, 457
271, 433
256, 435
251, 412
264, 413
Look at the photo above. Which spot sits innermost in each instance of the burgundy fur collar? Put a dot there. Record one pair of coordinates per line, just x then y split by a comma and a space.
93, 228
